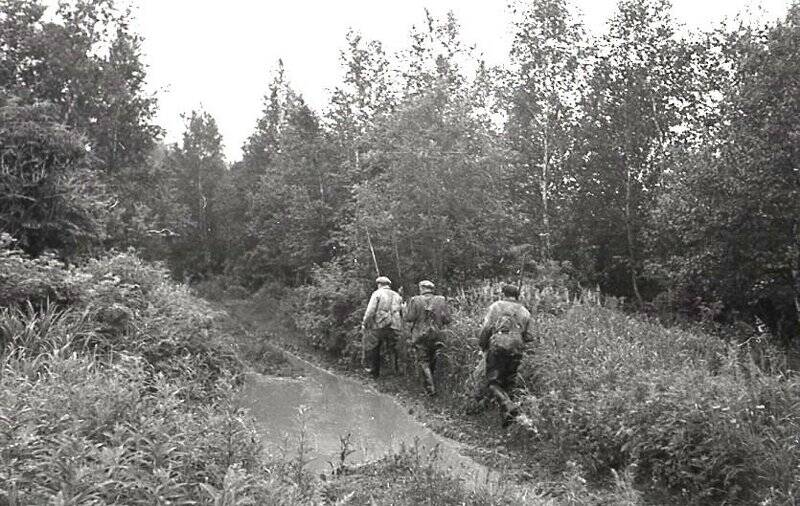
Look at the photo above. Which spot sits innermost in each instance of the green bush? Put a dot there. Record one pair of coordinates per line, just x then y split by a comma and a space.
218, 287
328, 310
681, 409
117, 390
51, 197
31, 281
90, 432
128, 305
687, 411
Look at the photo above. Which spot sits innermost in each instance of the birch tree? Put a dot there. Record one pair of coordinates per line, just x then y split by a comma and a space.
542, 91
639, 90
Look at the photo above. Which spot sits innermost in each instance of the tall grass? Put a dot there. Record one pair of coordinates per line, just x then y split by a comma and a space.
121, 392
687, 411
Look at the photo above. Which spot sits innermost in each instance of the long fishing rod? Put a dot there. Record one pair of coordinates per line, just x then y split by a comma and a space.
377, 272
372, 250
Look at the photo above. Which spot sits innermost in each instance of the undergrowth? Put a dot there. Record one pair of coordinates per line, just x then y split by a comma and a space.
684, 414
116, 387
685, 411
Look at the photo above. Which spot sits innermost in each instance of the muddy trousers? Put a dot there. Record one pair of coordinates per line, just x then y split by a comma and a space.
425, 351
501, 373
376, 340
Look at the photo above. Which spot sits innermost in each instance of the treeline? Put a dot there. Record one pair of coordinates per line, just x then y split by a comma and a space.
659, 164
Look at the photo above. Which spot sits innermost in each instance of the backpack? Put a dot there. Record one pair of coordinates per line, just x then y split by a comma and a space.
384, 316
428, 316
428, 323
506, 335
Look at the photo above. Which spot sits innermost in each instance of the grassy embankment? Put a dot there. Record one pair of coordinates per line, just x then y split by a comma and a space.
117, 386
686, 416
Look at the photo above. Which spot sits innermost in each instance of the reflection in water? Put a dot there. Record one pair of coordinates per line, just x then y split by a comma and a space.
332, 407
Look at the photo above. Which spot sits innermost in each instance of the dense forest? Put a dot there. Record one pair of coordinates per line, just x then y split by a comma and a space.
657, 166
655, 163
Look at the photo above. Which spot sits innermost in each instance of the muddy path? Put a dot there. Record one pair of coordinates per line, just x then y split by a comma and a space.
331, 400
323, 414
379, 416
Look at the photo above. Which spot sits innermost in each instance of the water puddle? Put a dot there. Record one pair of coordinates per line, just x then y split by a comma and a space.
331, 407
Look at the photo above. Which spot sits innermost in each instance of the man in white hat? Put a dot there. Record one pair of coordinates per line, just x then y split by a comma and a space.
382, 324
427, 314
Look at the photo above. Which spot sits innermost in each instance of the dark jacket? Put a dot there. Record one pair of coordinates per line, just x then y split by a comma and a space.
507, 325
425, 313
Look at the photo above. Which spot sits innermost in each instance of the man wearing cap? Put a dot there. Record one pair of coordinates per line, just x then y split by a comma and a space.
427, 314
382, 323
506, 329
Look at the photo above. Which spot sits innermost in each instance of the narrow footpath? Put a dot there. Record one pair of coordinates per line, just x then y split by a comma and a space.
330, 412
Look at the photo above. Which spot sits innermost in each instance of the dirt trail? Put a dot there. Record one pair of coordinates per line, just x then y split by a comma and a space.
343, 403
385, 414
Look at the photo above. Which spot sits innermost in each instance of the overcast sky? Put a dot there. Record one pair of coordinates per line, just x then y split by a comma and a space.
219, 54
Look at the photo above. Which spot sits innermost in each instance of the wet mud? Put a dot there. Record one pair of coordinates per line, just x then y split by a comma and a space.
319, 409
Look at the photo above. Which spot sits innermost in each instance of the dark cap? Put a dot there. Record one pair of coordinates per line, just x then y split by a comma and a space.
510, 290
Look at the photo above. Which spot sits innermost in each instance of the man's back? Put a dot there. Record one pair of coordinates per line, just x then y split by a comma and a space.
384, 309
506, 317
425, 312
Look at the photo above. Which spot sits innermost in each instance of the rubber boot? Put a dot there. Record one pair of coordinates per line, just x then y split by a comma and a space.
510, 410
374, 362
429, 386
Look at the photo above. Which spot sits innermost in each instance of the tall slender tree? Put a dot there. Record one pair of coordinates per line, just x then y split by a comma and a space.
541, 93
639, 88
365, 94
198, 172
437, 199
292, 189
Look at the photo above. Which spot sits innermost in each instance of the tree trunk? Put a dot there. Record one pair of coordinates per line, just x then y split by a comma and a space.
358, 166
372, 250
628, 213
545, 195
796, 279
397, 258
203, 220
629, 234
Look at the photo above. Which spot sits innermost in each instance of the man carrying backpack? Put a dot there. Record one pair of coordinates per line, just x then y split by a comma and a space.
506, 329
427, 314
382, 323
